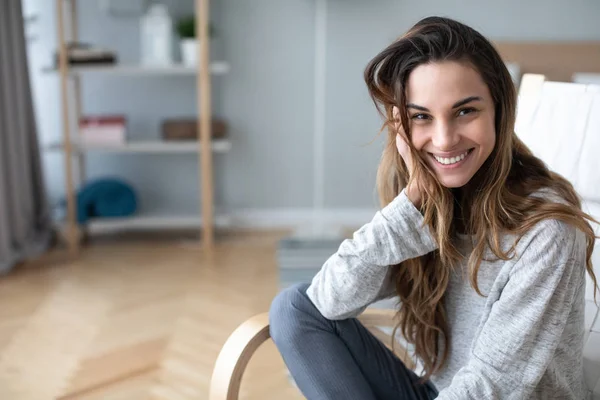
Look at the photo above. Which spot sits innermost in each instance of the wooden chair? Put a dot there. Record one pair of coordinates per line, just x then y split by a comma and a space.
247, 338
560, 122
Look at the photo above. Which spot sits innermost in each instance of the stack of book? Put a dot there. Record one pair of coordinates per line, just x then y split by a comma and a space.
103, 130
299, 259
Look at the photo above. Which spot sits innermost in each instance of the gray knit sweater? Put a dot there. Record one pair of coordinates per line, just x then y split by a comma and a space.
524, 340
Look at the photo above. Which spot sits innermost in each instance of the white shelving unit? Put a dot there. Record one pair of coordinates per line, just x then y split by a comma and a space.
204, 147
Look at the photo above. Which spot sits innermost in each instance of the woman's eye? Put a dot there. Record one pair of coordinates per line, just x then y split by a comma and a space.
466, 111
420, 116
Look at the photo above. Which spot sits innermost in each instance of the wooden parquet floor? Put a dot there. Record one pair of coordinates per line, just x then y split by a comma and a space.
137, 319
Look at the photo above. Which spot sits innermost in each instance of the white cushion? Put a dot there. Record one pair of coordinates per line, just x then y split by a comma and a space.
593, 209
561, 125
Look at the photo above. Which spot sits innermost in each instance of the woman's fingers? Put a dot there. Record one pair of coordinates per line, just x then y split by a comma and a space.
404, 151
412, 191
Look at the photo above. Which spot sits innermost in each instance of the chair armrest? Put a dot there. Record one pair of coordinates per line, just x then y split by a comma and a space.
235, 355
377, 317
251, 334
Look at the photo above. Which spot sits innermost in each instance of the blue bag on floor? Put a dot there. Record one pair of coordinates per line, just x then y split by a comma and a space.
105, 198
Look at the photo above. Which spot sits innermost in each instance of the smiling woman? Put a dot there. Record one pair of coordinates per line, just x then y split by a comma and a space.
484, 247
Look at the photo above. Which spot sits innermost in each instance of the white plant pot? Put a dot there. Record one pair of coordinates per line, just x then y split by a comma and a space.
189, 52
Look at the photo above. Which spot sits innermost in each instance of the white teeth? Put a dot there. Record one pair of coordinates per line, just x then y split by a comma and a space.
452, 160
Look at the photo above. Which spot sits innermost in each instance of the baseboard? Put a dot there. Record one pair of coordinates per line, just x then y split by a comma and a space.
295, 218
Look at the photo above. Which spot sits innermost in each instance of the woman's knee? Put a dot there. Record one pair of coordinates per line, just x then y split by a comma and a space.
286, 311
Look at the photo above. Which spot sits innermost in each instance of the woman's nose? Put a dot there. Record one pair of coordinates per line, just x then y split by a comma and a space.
445, 137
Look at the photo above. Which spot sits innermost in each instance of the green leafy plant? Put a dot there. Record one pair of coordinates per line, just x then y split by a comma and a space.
186, 28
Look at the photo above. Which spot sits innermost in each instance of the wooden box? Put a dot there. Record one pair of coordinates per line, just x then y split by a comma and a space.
187, 129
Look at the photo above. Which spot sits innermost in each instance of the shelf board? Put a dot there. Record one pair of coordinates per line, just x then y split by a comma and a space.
153, 222
218, 146
216, 68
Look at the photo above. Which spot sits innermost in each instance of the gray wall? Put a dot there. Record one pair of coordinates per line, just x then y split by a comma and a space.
268, 96
359, 29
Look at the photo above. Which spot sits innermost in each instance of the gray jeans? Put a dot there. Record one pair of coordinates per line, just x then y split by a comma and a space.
338, 360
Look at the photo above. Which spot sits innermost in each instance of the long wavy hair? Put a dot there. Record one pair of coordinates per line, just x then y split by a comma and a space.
496, 201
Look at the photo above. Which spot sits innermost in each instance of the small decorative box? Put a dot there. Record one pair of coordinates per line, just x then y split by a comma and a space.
105, 130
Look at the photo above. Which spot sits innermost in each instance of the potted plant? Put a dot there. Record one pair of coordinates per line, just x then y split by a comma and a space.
186, 28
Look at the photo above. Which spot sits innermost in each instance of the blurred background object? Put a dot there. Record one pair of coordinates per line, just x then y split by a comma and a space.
85, 53
157, 36
155, 58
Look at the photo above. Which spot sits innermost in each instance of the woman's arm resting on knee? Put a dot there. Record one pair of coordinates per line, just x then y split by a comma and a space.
358, 274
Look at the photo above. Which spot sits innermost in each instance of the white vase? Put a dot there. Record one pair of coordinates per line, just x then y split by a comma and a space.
157, 36
189, 52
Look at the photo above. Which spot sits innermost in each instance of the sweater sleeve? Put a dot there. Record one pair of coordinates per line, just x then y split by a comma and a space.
517, 342
358, 274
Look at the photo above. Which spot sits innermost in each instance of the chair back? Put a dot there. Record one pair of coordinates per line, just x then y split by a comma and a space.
560, 123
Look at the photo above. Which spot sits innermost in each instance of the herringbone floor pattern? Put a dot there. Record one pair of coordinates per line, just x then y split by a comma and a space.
136, 319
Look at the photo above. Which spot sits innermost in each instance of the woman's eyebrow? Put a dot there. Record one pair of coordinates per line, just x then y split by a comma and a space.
456, 105
416, 107
466, 101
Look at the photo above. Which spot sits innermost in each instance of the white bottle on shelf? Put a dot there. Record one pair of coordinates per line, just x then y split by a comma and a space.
157, 37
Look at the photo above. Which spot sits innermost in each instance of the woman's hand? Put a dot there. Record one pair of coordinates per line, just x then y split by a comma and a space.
412, 190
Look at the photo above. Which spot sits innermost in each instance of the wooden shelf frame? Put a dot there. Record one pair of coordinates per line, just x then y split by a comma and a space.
204, 112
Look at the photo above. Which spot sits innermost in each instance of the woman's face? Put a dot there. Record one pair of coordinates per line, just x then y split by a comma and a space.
451, 116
